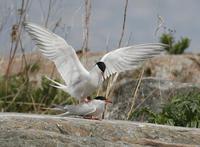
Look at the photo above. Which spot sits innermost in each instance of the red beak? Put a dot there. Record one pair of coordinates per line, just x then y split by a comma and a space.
103, 76
108, 101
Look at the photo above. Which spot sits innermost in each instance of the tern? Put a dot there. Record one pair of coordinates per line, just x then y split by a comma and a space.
93, 109
79, 82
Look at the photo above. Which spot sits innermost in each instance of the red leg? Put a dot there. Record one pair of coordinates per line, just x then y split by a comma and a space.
91, 117
87, 117
95, 118
85, 100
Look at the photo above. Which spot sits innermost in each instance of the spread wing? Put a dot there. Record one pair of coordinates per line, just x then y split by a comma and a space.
128, 58
56, 49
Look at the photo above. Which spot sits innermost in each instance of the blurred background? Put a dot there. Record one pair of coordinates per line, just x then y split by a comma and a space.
105, 21
163, 90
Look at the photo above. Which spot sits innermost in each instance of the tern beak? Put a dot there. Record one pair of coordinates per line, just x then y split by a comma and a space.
103, 76
108, 101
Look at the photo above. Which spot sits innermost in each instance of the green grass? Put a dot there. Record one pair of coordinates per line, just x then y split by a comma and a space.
182, 110
18, 94
174, 47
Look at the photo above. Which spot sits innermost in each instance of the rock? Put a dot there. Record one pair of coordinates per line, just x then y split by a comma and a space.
181, 68
45, 65
153, 92
38, 130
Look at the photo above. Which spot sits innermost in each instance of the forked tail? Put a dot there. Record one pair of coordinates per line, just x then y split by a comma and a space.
57, 85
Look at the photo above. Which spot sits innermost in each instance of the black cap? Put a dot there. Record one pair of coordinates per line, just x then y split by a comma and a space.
100, 98
101, 66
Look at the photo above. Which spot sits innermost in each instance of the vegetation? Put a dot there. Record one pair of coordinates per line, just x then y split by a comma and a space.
182, 110
19, 94
175, 47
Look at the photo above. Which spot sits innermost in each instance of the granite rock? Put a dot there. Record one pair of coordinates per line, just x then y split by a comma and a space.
39, 130
152, 92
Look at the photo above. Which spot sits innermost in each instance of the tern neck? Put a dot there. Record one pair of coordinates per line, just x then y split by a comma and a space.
98, 102
96, 76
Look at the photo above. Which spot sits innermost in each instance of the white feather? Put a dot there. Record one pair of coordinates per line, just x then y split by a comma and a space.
56, 49
128, 58
78, 81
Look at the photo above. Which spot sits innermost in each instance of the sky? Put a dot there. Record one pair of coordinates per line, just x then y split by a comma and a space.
181, 16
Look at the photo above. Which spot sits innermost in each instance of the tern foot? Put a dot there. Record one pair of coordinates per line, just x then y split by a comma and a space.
96, 118
91, 117
87, 117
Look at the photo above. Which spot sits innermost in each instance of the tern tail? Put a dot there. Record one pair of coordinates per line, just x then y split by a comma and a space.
64, 114
57, 85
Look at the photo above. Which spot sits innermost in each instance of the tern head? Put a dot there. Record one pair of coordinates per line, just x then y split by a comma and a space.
102, 98
102, 67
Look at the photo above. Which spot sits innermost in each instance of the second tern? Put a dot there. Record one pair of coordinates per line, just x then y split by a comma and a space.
93, 109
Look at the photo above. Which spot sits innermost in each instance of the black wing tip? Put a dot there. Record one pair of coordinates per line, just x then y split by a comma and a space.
26, 23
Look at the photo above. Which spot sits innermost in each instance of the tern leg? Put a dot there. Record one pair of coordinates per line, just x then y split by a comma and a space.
91, 117
85, 100
87, 117
96, 118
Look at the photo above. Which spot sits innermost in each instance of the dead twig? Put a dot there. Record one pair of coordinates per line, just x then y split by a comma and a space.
16, 34
48, 13
124, 24
113, 79
86, 28
160, 24
135, 94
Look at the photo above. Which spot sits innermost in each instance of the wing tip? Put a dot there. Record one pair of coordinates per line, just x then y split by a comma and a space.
27, 24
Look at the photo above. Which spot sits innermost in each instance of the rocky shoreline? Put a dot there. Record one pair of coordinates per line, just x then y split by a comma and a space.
44, 130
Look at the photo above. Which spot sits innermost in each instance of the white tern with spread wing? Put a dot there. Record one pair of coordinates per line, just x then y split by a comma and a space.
80, 82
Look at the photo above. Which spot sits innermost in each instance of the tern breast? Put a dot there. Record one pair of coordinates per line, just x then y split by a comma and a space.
82, 87
100, 106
